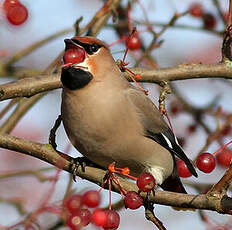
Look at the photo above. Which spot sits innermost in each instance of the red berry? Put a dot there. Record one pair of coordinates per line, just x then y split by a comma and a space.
99, 217
10, 3
85, 215
175, 109
196, 10
91, 198
74, 222
192, 128
17, 15
209, 21
133, 42
206, 162
74, 203
133, 200
112, 220
73, 56
226, 130
224, 158
79, 220
146, 182
183, 169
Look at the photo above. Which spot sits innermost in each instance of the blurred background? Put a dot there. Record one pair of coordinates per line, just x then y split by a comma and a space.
180, 45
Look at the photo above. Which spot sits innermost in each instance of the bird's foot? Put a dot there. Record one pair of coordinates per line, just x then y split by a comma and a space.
121, 171
82, 162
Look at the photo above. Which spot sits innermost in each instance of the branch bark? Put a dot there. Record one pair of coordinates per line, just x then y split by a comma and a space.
28, 87
46, 153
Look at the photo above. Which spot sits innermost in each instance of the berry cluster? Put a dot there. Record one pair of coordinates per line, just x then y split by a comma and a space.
80, 216
145, 183
208, 19
16, 12
206, 162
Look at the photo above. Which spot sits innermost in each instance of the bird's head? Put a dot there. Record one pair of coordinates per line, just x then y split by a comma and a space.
87, 59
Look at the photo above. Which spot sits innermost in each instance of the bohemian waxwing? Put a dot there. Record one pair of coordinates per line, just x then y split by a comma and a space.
109, 120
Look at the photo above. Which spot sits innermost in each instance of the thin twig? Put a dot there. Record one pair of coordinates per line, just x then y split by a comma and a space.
8, 107
193, 110
219, 10
229, 21
223, 184
36, 45
17, 203
175, 26
52, 135
36, 173
151, 216
23, 106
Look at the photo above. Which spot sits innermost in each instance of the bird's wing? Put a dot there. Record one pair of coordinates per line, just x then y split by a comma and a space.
154, 125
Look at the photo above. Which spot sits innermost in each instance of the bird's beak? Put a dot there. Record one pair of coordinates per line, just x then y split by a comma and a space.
70, 44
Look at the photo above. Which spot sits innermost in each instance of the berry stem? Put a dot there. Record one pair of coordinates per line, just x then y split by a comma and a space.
125, 54
52, 189
103, 185
129, 17
110, 200
169, 121
131, 177
219, 150
120, 189
66, 65
124, 57
115, 179
122, 39
138, 85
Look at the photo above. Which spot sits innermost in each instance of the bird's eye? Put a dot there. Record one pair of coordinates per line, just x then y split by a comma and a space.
93, 48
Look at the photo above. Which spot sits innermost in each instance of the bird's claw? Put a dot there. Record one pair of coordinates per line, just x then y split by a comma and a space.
79, 162
82, 162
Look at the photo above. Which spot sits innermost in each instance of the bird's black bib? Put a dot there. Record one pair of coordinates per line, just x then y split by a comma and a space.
75, 78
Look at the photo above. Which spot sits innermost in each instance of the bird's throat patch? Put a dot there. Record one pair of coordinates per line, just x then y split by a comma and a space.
75, 78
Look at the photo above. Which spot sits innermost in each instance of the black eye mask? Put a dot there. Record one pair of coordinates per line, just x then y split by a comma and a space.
89, 48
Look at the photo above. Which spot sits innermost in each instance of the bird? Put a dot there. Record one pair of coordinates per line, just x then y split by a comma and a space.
107, 119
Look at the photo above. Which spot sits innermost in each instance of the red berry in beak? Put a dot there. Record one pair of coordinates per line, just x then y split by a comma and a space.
75, 55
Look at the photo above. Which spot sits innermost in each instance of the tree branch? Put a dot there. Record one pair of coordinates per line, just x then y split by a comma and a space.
46, 153
30, 86
223, 184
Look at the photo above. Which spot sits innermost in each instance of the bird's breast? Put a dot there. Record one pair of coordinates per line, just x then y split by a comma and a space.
97, 118
105, 127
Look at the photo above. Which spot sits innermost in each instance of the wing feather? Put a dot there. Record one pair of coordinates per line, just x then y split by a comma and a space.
155, 127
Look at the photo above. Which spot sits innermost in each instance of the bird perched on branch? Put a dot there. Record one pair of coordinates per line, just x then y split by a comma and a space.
109, 120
